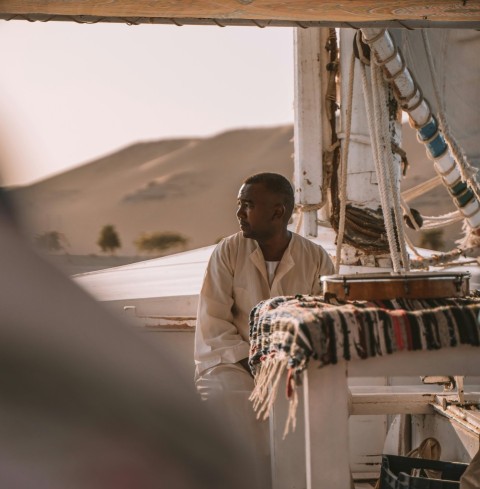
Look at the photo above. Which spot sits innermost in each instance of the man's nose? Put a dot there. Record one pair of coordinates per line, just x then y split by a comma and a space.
240, 211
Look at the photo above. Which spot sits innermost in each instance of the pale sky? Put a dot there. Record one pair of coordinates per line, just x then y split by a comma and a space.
70, 93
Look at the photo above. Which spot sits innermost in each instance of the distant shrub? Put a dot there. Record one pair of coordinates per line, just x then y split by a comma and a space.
108, 239
51, 241
159, 241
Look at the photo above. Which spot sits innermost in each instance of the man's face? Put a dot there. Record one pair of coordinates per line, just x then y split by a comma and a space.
258, 211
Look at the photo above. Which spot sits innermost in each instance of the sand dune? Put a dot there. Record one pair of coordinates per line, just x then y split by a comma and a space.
188, 186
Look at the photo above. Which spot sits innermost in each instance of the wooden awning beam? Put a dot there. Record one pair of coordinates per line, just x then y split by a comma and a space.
406, 13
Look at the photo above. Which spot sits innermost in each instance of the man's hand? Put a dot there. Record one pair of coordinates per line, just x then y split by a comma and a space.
244, 364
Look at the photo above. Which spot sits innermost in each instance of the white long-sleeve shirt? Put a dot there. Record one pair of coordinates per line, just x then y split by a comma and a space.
236, 280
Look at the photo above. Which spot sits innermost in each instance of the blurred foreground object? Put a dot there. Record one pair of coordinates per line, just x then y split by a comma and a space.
85, 402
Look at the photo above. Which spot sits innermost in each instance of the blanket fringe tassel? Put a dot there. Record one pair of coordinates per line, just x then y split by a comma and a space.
265, 392
266, 386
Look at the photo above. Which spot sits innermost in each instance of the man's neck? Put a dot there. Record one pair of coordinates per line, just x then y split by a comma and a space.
274, 248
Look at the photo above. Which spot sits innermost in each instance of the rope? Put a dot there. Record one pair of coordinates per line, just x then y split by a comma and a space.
356, 138
362, 49
309, 207
392, 186
343, 165
418, 190
433, 222
305, 208
374, 131
331, 154
412, 247
444, 258
374, 126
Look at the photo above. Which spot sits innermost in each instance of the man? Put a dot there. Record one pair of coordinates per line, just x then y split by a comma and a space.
263, 260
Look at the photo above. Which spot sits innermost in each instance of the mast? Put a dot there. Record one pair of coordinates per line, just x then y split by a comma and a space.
311, 131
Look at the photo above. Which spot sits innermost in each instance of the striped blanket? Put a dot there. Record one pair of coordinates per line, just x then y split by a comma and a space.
286, 332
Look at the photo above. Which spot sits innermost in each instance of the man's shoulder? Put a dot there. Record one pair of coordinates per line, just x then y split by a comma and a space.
232, 244
304, 247
300, 240
232, 240
229, 249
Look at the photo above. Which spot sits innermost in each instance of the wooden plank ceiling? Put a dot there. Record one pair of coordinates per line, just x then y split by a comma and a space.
416, 13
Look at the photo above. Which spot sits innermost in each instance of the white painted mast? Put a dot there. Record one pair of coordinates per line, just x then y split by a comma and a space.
311, 131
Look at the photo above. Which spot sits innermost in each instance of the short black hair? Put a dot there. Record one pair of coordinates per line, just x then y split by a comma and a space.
278, 185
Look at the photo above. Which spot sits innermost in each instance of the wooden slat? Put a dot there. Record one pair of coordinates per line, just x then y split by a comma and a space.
386, 400
294, 10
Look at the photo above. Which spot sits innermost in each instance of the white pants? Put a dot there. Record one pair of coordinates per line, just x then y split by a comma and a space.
229, 386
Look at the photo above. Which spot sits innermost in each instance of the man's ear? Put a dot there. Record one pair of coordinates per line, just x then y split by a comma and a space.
280, 211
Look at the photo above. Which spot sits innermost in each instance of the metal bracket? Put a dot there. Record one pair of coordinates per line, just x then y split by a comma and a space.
458, 283
456, 398
346, 287
447, 381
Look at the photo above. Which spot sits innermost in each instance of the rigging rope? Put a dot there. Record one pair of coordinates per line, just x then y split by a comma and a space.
374, 114
446, 258
393, 186
422, 188
434, 222
343, 166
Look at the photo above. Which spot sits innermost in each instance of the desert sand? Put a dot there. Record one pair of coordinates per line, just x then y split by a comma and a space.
188, 186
